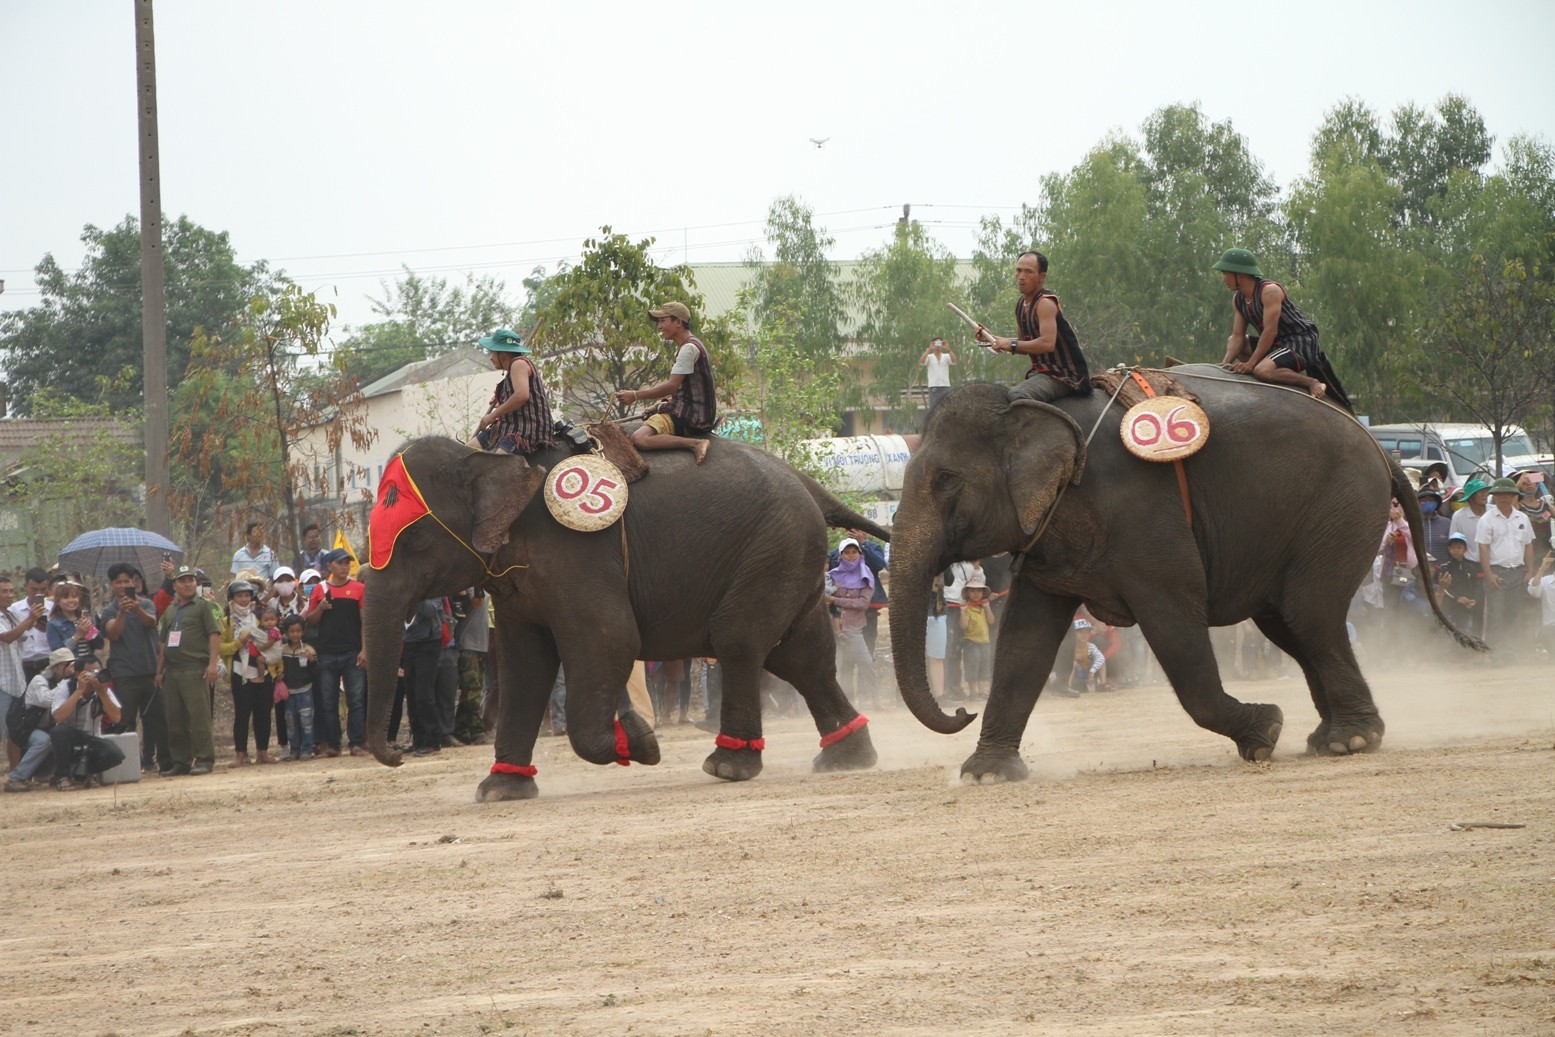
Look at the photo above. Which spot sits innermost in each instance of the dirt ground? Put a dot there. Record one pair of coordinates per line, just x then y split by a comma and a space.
1143, 882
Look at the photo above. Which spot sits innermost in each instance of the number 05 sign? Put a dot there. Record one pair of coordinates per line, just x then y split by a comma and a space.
585, 492
1164, 428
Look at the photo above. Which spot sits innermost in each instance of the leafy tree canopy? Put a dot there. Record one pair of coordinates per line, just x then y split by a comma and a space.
88, 322
595, 336
423, 317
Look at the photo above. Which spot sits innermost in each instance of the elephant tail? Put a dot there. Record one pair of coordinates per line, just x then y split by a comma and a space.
1404, 492
839, 515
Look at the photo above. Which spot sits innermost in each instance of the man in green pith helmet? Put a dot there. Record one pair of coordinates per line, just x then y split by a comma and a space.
1282, 348
519, 420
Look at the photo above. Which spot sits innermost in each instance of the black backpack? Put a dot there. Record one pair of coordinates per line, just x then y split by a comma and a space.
21, 720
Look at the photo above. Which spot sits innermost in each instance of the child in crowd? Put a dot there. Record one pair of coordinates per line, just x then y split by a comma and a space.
1456, 585
71, 621
976, 623
299, 673
1090, 666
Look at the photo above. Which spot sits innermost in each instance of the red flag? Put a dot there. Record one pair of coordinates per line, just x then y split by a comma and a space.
399, 504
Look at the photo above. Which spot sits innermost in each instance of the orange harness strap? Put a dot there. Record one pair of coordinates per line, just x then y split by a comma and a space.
1182, 473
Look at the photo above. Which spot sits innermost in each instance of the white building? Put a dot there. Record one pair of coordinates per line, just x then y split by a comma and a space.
443, 396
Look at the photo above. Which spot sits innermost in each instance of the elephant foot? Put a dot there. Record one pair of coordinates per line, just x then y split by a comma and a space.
735, 759
642, 744
992, 766
498, 787
849, 748
1345, 738
1257, 745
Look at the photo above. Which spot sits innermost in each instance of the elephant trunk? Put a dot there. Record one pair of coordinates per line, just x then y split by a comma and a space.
913, 558
383, 632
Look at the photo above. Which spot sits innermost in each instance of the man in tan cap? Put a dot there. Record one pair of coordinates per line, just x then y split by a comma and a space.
686, 419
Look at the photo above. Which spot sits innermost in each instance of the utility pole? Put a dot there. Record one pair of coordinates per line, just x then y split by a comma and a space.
159, 483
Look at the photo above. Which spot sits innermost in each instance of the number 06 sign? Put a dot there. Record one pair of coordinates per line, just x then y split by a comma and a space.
1164, 428
586, 493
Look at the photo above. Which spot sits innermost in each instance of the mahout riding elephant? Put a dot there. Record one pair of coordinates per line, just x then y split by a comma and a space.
1289, 498
725, 559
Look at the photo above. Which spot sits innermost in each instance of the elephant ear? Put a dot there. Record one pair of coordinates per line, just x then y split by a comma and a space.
1046, 451
500, 488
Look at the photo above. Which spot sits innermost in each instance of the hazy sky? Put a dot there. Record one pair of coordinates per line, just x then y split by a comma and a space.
340, 139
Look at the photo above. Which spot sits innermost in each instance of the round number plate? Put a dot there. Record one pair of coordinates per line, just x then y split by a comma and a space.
1164, 428
585, 492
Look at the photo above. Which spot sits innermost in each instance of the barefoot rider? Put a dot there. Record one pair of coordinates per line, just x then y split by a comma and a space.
686, 419
1285, 351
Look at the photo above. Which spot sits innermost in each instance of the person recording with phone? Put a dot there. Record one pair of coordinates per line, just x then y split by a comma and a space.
129, 620
32, 611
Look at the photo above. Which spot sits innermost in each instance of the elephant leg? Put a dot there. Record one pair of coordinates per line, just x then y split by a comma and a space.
526, 670
1348, 718
1177, 632
807, 659
601, 723
737, 755
1031, 630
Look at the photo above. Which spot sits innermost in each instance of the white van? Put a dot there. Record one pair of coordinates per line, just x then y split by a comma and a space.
1464, 448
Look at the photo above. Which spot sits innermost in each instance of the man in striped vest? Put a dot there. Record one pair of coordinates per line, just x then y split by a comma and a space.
1044, 337
518, 420
1282, 348
685, 420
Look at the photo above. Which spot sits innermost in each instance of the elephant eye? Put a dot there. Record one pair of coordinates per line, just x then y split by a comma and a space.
944, 481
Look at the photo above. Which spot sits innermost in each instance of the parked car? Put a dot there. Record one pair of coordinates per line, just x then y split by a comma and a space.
1466, 449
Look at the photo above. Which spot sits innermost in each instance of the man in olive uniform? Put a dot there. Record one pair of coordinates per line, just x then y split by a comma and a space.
187, 664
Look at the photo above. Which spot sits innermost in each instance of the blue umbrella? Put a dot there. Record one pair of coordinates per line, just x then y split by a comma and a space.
93, 553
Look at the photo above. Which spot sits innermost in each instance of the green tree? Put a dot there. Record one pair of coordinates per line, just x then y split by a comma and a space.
260, 417
1494, 359
1425, 149
901, 291
791, 392
423, 317
1361, 284
595, 335
1134, 229
797, 296
88, 322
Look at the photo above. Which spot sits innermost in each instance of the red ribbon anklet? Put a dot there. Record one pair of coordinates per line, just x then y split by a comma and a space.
623, 747
755, 745
523, 770
844, 731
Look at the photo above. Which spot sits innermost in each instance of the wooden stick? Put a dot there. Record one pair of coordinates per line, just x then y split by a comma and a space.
976, 327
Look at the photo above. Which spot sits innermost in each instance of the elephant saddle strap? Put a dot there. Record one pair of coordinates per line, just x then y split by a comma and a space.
1147, 390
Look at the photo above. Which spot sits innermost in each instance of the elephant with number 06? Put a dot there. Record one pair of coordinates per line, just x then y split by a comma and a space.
1288, 498
724, 559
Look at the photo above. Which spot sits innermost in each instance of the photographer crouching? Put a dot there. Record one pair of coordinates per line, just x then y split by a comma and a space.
80, 705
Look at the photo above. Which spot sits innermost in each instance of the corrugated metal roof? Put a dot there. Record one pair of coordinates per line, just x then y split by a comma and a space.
454, 364
17, 435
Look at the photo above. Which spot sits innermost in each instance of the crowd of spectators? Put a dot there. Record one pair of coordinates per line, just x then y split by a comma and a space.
282, 641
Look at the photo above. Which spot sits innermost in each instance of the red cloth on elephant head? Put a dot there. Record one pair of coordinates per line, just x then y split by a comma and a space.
399, 504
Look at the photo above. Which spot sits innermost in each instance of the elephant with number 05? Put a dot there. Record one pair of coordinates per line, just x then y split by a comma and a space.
725, 559
1288, 498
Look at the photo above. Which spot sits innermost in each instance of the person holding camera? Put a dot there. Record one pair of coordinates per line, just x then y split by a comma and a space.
29, 719
129, 620
80, 705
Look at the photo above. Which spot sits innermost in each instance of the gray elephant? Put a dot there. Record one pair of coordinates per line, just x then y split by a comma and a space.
724, 559
1289, 498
